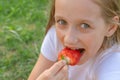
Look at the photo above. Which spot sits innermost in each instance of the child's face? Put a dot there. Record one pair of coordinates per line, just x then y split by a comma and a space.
79, 24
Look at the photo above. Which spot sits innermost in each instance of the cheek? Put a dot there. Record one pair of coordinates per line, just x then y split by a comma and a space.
93, 43
60, 35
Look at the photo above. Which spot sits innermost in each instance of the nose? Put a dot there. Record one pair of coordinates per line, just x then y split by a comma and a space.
71, 37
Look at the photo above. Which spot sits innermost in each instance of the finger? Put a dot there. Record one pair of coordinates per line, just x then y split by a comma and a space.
66, 71
62, 74
65, 78
57, 66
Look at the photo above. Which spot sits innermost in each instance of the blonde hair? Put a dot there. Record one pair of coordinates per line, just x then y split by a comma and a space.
51, 20
109, 9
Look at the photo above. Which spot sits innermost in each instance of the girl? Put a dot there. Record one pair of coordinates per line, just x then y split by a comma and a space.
92, 25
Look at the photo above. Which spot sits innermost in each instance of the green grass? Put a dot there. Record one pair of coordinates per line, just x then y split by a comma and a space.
22, 26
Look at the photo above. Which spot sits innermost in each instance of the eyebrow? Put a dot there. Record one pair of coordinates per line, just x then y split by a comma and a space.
59, 17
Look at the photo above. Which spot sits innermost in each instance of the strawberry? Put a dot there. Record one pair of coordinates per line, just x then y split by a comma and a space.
72, 57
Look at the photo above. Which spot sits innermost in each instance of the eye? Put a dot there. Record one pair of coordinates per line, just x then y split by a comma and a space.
85, 26
62, 22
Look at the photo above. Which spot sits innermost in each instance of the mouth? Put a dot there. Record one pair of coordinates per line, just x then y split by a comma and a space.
81, 50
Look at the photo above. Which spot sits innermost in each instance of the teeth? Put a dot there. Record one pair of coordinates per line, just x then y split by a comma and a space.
74, 48
77, 48
80, 49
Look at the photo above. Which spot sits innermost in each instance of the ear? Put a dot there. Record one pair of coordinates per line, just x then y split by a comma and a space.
112, 27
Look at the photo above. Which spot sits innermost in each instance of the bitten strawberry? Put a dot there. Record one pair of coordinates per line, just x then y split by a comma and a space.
70, 56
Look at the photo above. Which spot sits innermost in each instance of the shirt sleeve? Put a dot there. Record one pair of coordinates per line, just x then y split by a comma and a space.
109, 69
48, 46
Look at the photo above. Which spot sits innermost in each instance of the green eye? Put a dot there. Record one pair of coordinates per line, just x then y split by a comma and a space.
84, 26
61, 22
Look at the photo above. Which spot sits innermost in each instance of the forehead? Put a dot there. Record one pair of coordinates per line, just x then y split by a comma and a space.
80, 8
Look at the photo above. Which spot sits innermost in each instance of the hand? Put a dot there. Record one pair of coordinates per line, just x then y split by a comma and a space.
59, 71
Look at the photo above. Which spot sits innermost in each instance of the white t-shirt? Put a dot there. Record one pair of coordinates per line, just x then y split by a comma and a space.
107, 69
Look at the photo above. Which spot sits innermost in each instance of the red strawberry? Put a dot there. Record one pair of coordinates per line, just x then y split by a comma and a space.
71, 56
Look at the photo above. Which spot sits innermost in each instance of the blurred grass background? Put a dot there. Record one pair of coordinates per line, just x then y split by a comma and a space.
22, 27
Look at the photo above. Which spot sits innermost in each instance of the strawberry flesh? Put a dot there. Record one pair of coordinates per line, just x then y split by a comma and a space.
72, 57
